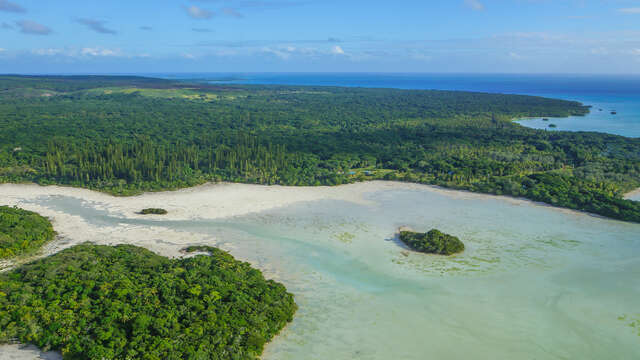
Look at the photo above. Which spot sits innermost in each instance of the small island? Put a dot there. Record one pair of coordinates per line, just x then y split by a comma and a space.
153, 211
553, 125
432, 242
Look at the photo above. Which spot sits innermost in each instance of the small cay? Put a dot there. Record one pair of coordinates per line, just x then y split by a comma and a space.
153, 211
432, 242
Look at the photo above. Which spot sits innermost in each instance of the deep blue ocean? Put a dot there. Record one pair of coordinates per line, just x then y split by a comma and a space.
605, 93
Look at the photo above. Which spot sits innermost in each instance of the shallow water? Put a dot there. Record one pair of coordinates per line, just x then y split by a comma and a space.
625, 122
535, 282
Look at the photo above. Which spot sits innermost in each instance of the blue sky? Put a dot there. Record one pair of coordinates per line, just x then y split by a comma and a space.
491, 36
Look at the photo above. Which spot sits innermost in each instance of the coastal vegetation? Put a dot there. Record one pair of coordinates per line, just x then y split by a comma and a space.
153, 211
125, 302
125, 135
432, 242
22, 231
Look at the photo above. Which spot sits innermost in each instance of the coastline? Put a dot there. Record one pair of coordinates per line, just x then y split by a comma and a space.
226, 200
211, 201
633, 195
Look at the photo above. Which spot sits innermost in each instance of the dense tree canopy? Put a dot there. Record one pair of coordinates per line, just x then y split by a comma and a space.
432, 242
125, 302
22, 231
125, 135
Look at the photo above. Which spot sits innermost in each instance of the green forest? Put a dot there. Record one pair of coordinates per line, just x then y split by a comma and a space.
125, 302
22, 232
125, 135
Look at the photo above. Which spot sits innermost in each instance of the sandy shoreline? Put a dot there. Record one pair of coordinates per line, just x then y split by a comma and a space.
209, 201
633, 195
224, 200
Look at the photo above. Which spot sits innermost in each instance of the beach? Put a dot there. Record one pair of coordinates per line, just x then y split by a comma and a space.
210, 201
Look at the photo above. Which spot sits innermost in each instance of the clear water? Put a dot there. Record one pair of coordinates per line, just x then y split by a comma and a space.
534, 283
606, 92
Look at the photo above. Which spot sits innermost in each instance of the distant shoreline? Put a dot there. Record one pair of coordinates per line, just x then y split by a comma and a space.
633, 195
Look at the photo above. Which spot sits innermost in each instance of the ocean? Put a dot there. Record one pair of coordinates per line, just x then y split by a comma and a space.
605, 93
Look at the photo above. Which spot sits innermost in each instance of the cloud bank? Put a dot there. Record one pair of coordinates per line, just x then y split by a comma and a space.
198, 13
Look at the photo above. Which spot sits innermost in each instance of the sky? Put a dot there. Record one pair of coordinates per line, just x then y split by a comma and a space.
454, 36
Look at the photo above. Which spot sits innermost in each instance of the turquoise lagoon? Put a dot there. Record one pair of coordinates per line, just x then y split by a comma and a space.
625, 122
534, 283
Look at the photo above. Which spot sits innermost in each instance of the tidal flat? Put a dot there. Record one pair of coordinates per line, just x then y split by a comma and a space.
533, 282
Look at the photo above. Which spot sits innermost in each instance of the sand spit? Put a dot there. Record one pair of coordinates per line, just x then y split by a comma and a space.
209, 201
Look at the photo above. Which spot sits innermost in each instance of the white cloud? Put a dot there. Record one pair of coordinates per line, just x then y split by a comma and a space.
198, 12
78, 53
531, 36
282, 53
99, 52
475, 5
635, 10
188, 56
337, 50
2, 50
47, 52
